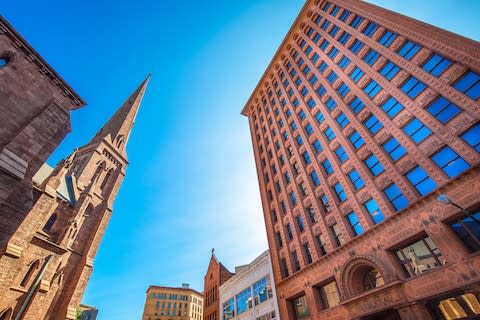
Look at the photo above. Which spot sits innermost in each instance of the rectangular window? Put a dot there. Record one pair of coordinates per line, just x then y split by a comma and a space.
408, 49
374, 165
436, 64
293, 198
396, 197
306, 158
329, 134
308, 253
450, 162
371, 57
356, 139
356, 46
331, 104
321, 245
321, 91
323, 66
355, 223
313, 79
344, 16
289, 232
295, 262
332, 77
309, 129
387, 38
301, 225
341, 195
356, 180
469, 85
278, 239
329, 295
372, 89
327, 166
373, 124
333, 53
311, 214
335, 11
419, 257
472, 137
325, 203
420, 180
302, 115
344, 62
443, 110
317, 146
325, 24
392, 107
337, 235
341, 154
417, 130
299, 140
413, 87
357, 74
315, 178
311, 103
357, 105
373, 210
333, 32
284, 268
389, 70
325, 43
344, 38
320, 117
343, 90
300, 307
356, 22
315, 58
243, 300
342, 120
370, 29
468, 230
394, 149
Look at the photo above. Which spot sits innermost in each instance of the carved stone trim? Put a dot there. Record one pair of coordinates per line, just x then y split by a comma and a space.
13, 250
13, 164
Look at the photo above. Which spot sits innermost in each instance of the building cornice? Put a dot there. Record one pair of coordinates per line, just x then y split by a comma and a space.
33, 56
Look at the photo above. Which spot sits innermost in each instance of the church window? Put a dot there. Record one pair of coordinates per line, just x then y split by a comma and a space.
50, 222
31, 270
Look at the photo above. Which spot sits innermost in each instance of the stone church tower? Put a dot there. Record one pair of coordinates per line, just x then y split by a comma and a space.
56, 242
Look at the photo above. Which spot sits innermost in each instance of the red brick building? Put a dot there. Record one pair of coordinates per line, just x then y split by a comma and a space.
215, 276
52, 219
361, 121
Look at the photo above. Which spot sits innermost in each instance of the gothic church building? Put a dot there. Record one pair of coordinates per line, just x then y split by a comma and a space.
52, 220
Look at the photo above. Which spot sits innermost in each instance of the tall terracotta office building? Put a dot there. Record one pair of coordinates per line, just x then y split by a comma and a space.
361, 121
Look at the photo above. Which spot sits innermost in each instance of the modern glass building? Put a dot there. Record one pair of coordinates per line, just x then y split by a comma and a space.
362, 119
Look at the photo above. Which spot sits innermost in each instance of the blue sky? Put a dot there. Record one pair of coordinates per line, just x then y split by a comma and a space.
191, 184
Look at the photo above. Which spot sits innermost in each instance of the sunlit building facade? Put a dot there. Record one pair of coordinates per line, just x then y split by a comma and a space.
168, 303
250, 293
361, 121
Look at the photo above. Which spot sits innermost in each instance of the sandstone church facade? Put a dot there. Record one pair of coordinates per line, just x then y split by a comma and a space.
52, 220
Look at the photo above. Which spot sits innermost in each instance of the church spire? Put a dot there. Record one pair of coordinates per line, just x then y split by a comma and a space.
118, 127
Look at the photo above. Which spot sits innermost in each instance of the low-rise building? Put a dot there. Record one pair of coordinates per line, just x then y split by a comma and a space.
250, 293
168, 303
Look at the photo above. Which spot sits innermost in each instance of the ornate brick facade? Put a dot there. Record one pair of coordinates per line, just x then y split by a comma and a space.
362, 119
52, 219
215, 276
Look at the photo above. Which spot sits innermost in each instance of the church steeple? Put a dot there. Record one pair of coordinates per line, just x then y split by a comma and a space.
117, 129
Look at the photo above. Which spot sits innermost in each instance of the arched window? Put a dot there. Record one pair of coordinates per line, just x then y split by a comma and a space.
6, 314
372, 279
31, 270
3, 61
50, 222
119, 141
106, 179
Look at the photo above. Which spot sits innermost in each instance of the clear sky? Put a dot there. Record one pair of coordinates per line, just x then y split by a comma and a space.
191, 184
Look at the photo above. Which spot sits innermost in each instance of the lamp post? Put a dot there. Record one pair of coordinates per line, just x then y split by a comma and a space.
443, 198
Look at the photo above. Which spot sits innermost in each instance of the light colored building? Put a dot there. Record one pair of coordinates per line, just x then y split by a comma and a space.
167, 303
250, 293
